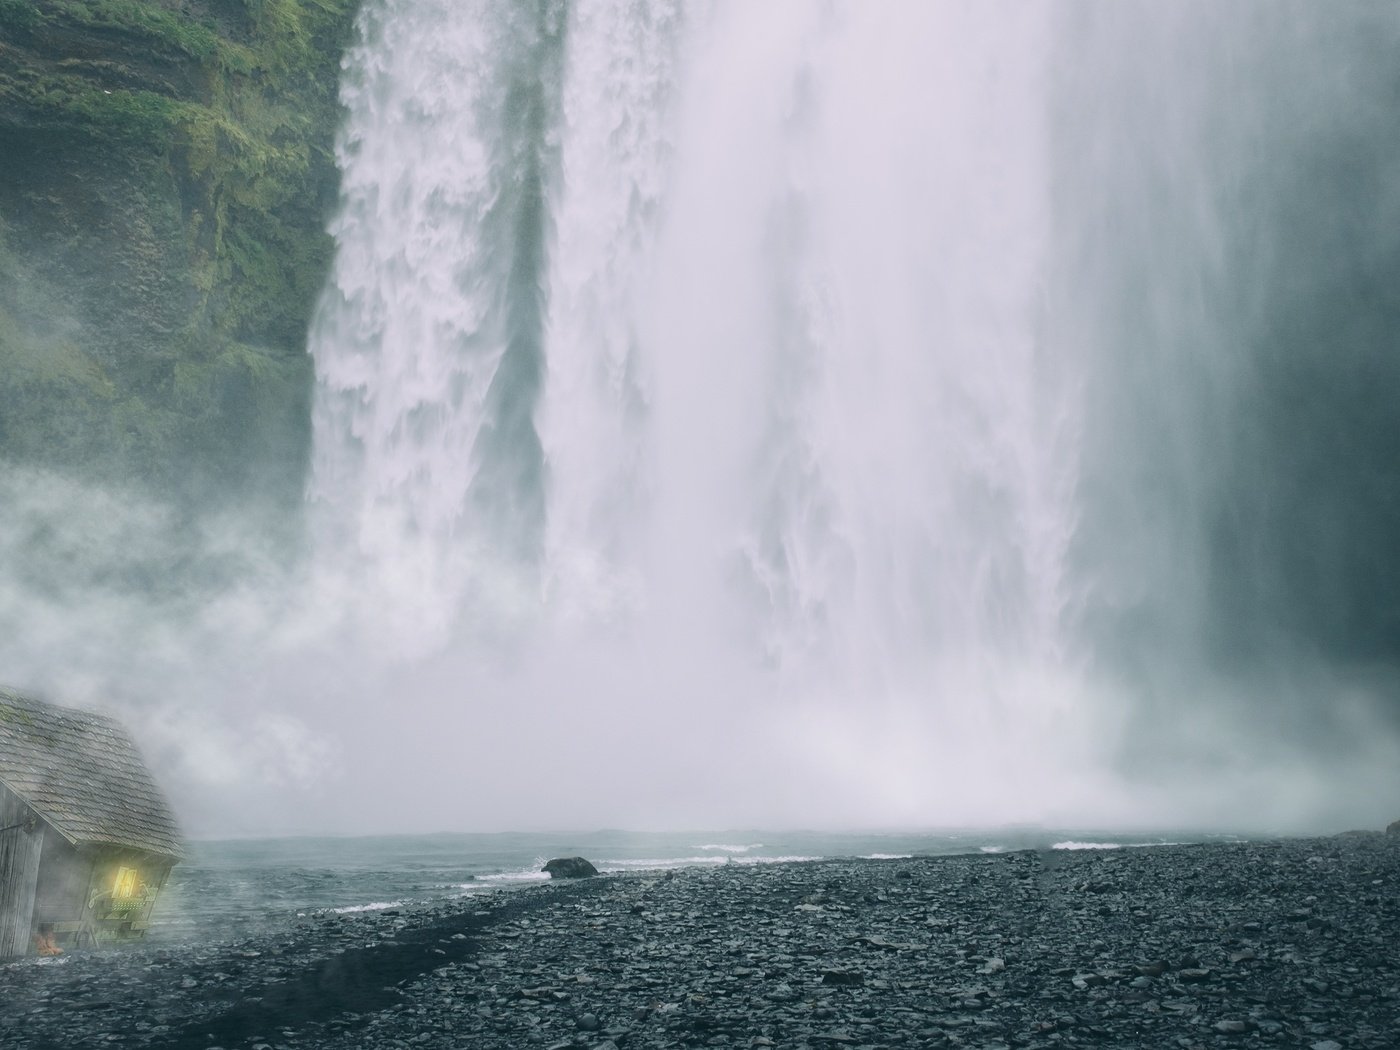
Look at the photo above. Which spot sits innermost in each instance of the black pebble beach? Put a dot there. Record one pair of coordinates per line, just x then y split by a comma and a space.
1289, 943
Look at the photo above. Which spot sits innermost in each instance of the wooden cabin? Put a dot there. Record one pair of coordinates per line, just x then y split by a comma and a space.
87, 839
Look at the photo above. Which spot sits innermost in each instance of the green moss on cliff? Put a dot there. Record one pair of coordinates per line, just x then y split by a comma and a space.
165, 178
160, 27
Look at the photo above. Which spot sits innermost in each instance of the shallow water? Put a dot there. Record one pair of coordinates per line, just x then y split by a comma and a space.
230, 887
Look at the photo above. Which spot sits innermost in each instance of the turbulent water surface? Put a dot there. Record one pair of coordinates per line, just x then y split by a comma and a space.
832, 414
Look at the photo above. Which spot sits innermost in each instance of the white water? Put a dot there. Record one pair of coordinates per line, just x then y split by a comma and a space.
799, 465
846, 414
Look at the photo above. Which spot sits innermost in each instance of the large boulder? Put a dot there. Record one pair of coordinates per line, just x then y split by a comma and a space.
570, 868
1393, 828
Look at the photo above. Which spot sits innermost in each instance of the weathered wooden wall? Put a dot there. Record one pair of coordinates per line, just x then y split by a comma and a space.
19, 873
64, 875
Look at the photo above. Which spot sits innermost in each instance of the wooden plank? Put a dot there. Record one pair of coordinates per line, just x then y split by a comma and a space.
19, 874
63, 881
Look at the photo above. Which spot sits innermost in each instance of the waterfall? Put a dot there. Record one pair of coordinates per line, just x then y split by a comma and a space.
619, 324
865, 390
429, 345
714, 331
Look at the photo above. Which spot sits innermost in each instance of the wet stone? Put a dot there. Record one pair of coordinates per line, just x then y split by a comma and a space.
843, 977
1231, 1027
722, 957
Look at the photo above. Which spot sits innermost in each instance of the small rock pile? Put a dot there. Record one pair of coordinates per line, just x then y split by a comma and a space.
1285, 943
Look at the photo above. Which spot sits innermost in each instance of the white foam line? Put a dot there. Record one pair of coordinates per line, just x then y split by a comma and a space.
728, 848
693, 862
514, 876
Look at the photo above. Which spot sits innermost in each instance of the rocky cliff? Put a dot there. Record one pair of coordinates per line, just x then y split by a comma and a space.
166, 173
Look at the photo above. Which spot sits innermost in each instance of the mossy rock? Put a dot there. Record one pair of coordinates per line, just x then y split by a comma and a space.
166, 176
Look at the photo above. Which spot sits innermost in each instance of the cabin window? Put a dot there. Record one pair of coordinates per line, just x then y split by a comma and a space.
128, 879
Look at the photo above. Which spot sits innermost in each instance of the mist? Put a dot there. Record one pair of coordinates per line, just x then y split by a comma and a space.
834, 416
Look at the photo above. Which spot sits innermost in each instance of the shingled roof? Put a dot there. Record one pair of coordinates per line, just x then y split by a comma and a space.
83, 775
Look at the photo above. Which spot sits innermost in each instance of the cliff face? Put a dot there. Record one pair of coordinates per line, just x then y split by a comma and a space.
165, 179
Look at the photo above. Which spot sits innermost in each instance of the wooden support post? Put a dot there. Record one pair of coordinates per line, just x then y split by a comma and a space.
20, 847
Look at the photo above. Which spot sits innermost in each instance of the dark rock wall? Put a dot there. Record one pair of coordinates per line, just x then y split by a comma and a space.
166, 174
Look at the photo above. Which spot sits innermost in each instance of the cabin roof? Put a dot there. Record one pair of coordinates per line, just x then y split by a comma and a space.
81, 773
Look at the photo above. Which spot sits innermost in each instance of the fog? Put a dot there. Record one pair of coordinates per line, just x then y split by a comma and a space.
838, 416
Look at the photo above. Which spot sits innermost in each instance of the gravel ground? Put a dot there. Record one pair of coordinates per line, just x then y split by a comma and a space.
1292, 943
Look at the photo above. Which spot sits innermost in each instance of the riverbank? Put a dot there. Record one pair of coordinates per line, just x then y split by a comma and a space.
1283, 943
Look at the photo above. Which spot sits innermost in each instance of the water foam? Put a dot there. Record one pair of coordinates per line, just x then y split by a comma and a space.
765, 380
756, 364
351, 909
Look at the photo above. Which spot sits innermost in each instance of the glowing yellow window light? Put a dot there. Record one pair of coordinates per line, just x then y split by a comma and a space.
127, 881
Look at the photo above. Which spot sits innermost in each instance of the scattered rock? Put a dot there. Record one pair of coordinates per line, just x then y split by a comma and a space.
783, 994
842, 977
876, 941
570, 868
718, 957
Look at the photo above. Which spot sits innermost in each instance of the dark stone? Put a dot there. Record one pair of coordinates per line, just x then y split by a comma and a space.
1393, 828
570, 868
1232, 1027
876, 941
842, 977
529, 966
782, 994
